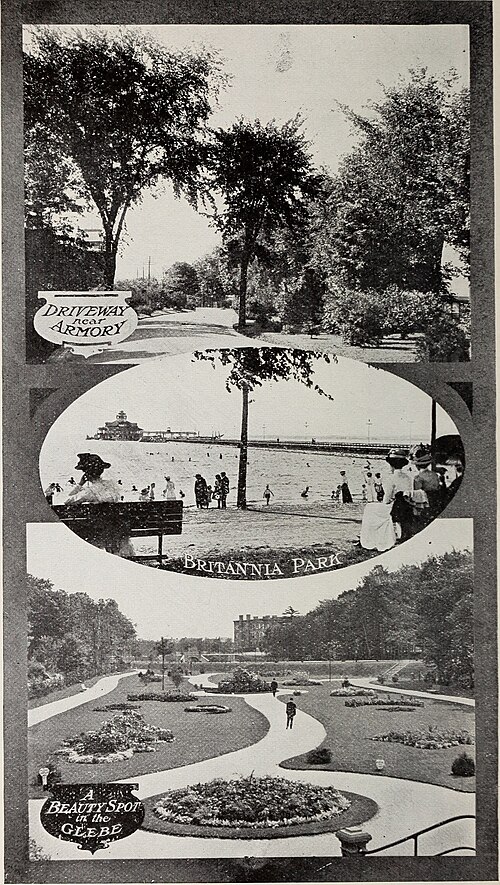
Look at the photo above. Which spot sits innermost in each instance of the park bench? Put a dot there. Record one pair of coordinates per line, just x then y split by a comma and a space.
135, 519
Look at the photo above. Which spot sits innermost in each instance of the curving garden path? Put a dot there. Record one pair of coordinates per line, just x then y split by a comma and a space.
100, 688
404, 806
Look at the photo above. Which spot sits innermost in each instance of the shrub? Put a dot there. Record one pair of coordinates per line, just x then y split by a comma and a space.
319, 756
242, 682
381, 680
359, 316
395, 678
463, 766
444, 341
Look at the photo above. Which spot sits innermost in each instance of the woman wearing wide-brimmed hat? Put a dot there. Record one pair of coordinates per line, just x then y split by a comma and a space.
387, 521
93, 489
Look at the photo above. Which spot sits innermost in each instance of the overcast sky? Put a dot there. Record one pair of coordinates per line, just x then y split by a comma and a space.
277, 71
185, 394
172, 604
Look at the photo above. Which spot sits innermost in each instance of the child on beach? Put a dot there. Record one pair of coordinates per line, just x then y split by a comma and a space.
267, 494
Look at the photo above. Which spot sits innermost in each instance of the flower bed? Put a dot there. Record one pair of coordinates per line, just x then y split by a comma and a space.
165, 696
397, 704
117, 739
352, 692
208, 708
432, 739
291, 682
251, 802
242, 682
122, 707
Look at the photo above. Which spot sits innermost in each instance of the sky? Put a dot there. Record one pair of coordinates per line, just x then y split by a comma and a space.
278, 71
186, 394
176, 605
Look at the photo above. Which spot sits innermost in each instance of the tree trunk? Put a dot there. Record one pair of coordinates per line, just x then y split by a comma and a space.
242, 308
241, 500
109, 264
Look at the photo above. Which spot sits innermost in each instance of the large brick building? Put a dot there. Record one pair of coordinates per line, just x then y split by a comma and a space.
250, 631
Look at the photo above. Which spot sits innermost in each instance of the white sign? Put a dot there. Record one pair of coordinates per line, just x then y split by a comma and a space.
85, 322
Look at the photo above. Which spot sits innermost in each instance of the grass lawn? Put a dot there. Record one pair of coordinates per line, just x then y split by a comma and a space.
361, 810
349, 731
195, 740
66, 692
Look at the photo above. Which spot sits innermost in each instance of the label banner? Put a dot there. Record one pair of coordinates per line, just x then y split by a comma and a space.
85, 322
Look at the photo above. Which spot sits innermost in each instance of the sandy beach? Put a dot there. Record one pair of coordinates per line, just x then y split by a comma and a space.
212, 533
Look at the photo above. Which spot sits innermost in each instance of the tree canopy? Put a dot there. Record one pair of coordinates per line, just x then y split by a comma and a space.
404, 190
260, 178
127, 113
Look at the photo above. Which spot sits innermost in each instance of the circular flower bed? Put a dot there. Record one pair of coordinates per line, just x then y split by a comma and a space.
117, 739
251, 802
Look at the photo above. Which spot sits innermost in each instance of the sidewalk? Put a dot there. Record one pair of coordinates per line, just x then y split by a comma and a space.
104, 686
451, 699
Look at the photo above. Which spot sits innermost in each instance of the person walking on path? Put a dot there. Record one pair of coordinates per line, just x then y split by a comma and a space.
274, 687
291, 709
267, 494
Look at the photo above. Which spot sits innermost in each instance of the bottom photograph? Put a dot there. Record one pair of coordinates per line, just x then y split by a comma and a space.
333, 716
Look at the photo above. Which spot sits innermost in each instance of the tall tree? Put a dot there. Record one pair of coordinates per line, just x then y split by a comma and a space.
127, 113
404, 190
265, 178
251, 368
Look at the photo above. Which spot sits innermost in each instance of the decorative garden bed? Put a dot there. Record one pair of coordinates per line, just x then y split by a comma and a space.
117, 739
242, 682
432, 739
208, 708
352, 692
165, 696
255, 807
397, 703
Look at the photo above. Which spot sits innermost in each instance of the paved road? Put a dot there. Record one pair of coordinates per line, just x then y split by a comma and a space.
404, 806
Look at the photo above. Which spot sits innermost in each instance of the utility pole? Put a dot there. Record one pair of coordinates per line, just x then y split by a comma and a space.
149, 269
162, 664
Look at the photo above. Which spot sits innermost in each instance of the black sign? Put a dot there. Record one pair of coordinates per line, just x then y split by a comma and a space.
92, 815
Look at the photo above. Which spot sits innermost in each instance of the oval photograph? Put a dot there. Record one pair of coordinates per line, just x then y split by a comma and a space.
252, 463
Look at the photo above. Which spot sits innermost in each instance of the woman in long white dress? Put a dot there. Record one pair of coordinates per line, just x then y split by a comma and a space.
378, 530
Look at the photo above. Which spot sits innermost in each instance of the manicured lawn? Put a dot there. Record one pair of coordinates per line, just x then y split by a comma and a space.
197, 737
361, 810
349, 731
66, 692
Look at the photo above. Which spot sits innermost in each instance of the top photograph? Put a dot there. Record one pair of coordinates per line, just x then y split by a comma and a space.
211, 186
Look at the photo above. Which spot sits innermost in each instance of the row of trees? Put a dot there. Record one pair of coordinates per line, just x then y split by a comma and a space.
73, 635
108, 117
389, 615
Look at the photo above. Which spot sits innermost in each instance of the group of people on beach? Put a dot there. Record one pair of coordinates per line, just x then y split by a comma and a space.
415, 491
204, 493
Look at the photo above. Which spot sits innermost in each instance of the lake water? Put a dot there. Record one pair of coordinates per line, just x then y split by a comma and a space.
139, 464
